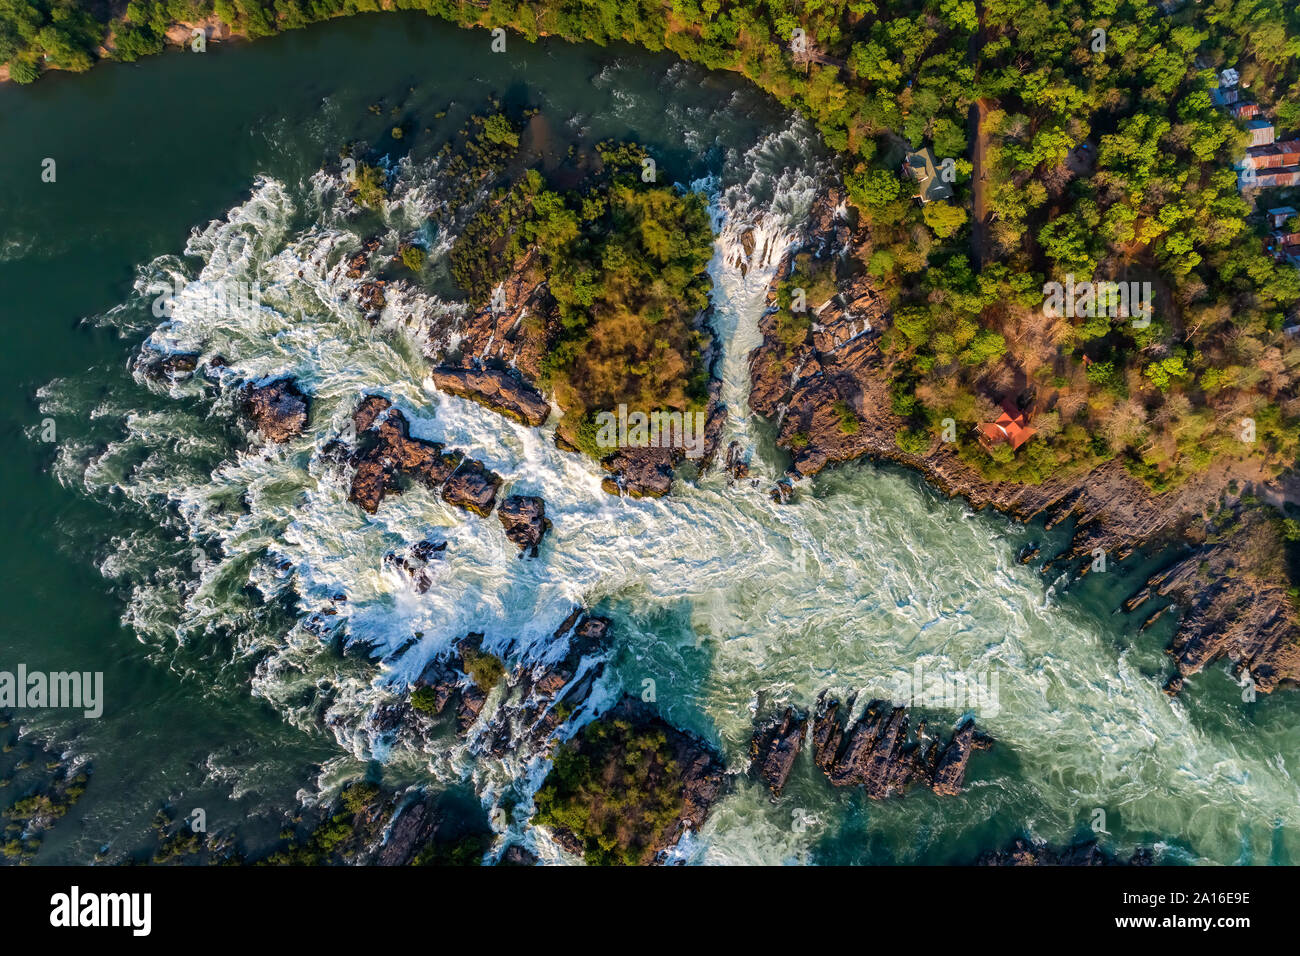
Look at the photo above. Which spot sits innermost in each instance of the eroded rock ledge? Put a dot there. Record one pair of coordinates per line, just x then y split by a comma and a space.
499, 390
1248, 618
879, 753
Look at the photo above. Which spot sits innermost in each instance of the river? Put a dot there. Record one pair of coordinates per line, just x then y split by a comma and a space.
144, 543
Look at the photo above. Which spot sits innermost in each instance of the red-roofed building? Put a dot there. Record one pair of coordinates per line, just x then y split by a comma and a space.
1011, 427
1274, 155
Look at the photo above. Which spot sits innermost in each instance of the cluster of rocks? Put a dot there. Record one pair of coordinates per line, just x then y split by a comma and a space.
386, 454
536, 699
373, 825
447, 682
878, 751
737, 466
1235, 605
1022, 852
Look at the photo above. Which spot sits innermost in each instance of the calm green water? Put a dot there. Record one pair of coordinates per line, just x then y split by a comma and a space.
717, 594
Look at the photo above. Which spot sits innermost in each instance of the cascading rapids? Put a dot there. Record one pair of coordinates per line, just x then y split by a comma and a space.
717, 593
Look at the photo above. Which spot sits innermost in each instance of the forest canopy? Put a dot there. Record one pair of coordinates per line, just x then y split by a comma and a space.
1083, 142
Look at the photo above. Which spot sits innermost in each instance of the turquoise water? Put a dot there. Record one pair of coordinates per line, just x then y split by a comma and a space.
146, 543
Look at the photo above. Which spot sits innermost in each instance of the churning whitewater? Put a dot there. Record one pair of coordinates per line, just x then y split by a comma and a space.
718, 595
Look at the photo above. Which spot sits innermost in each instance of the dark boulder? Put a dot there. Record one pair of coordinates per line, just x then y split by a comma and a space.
472, 487
171, 366
524, 518
278, 409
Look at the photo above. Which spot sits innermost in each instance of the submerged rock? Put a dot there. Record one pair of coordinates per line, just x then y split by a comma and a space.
414, 563
172, 366
877, 752
737, 467
1024, 852
524, 518
278, 409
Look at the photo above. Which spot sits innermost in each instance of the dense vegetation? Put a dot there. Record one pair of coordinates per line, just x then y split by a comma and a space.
614, 792
1071, 157
625, 262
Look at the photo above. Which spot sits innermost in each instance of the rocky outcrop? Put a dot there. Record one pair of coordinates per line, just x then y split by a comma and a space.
278, 410
412, 828
640, 472
878, 753
371, 299
831, 396
1235, 605
450, 680
516, 855
1024, 852
540, 698
648, 472
165, 366
511, 333
472, 487
386, 453
737, 466
524, 519
775, 746
374, 826
498, 389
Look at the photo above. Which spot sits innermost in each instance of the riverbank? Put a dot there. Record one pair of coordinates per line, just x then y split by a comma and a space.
829, 394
